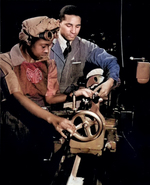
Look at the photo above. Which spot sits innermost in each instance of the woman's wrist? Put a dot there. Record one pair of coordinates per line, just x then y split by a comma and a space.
69, 97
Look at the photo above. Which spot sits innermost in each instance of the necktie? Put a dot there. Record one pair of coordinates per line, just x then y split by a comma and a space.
67, 50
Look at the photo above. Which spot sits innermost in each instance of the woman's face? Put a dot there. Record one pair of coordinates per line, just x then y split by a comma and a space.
40, 48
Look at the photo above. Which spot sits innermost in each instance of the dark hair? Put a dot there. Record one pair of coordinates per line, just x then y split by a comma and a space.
24, 43
69, 10
25, 46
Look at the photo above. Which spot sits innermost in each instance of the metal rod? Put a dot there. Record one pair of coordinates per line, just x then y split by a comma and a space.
76, 165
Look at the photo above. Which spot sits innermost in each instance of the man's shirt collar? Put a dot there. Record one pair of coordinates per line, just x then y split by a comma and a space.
62, 42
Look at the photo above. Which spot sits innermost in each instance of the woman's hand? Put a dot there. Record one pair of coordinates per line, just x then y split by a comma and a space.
61, 124
84, 92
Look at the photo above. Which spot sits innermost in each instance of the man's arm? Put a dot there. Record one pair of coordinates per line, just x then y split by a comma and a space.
100, 58
106, 61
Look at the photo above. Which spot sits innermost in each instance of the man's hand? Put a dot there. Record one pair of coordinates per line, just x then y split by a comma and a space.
104, 88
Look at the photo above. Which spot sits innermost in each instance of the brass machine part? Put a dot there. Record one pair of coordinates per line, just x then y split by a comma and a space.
88, 119
91, 143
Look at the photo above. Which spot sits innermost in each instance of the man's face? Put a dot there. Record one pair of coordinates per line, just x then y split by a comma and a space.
40, 48
70, 27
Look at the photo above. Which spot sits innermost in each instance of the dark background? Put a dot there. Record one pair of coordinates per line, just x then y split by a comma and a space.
101, 23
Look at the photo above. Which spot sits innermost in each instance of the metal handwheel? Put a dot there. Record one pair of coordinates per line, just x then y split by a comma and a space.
88, 125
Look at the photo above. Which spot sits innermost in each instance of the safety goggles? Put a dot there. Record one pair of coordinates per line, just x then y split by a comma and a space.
49, 35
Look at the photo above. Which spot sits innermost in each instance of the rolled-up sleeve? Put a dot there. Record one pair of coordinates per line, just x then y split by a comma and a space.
106, 61
52, 83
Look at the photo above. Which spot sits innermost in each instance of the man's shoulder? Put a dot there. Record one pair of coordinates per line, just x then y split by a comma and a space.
82, 40
85, 42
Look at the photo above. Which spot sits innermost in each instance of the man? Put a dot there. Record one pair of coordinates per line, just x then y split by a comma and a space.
82, 56
26, 126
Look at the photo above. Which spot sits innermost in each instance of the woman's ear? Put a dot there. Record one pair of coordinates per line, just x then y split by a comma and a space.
59, 21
